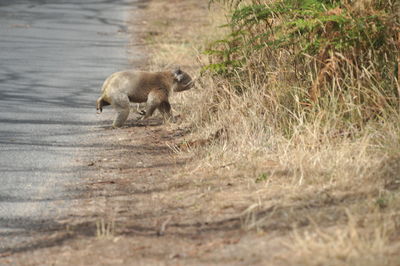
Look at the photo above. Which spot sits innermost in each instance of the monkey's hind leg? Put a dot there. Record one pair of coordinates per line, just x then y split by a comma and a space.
120, 103
139, 110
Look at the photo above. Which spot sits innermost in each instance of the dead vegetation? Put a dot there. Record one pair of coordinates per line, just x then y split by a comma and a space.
311, 147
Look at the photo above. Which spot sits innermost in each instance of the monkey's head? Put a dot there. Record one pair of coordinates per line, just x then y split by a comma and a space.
182, 80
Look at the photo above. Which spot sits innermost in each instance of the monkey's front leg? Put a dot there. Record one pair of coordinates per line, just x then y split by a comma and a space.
149, 111
154, 100
165, 110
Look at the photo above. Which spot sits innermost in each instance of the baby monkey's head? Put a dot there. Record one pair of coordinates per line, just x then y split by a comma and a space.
182, 79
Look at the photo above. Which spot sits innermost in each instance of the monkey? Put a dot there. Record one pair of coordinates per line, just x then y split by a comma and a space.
153, 88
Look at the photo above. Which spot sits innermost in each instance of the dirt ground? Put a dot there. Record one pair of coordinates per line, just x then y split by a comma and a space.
136, 209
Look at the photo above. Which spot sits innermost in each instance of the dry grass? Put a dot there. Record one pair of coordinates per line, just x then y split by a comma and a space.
332, 185
349, 245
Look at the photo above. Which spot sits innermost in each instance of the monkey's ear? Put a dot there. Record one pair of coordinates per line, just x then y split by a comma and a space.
177, 70
178, 75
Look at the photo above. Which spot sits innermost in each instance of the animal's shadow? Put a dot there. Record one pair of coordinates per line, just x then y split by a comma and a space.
134, 122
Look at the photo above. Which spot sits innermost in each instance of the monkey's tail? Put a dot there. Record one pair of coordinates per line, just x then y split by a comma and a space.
100, 103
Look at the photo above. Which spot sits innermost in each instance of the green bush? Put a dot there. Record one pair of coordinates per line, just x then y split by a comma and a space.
338, 52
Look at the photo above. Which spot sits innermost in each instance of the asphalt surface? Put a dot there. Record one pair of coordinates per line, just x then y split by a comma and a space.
54, 56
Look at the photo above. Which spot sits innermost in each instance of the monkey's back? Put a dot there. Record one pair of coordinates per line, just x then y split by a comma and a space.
135, 84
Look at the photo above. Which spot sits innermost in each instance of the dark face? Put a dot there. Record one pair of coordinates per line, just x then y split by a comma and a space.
183, 80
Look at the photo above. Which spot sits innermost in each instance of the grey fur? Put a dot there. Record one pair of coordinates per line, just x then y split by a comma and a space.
154, 88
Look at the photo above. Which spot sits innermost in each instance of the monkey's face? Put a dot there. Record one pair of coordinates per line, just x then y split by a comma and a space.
183, 80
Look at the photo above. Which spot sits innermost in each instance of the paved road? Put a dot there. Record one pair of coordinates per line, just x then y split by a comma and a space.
54, 56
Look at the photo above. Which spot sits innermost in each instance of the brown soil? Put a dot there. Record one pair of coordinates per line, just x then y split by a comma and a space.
150, 215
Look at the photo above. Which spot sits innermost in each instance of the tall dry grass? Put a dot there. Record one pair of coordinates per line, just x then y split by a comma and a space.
317, 129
